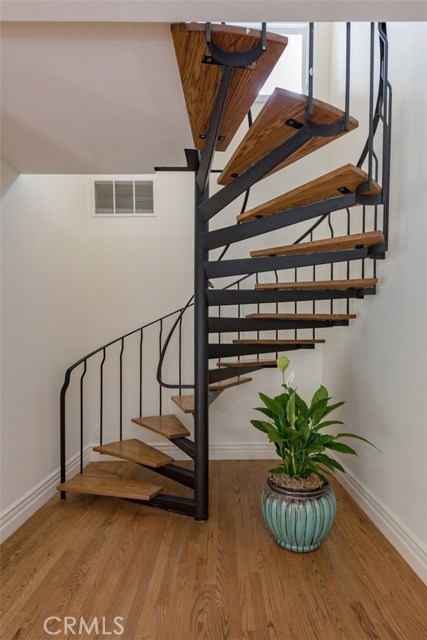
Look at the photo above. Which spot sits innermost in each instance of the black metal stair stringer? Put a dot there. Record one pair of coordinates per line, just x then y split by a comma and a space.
235, 325
229, 350
258, 265
226, 297
216, 375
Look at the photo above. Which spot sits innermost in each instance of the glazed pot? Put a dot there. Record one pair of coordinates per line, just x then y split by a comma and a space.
298, 520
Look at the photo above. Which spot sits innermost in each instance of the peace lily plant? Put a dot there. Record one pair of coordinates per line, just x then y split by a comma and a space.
298, 432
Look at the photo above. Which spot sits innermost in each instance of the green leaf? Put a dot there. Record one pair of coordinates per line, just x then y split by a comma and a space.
342, 448
273, 405
353, 435
268, 412
321, 394
275, 436
277, 470
328, 423
330, 463
261, 425
301, 405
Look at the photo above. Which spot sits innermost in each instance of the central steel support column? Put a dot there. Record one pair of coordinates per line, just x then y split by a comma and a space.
201, 414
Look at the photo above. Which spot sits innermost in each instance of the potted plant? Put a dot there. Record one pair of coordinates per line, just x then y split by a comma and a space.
298, 502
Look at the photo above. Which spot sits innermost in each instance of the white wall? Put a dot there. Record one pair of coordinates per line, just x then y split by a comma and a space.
44, 294
380, 365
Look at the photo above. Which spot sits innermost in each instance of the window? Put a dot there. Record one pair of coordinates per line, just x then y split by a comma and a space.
119, 196
291, 70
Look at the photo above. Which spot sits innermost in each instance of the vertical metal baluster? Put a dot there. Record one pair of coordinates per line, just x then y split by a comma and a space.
141, 339
238, 315
371, 106
332, 264
121, 388
310, 69
180, 356
82, 416
347, 76
257, 310
101, 400
160, 352
363, 231
295, 303
374, 266
277, 311
348, 261
314, 280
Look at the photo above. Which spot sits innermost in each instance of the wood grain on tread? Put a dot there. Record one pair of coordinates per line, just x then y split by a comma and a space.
278, 342
168, 426
328, 285
110, 485
269, 131
135, 451
346, 178
185, 403
341, 243
228, 384
200, 81
302, 316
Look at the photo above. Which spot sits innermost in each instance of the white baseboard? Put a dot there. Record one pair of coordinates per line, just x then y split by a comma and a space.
19, 511
410, 547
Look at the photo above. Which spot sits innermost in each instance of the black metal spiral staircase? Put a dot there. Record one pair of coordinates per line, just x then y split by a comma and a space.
222, 69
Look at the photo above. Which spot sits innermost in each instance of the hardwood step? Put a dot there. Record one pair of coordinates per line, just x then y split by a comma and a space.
228, 384
168, 426
302, 316
270, 130
108, 484
185, 403
279, 342
135, 451
343, 180
200, 81
327, 285
248, 363
341, 243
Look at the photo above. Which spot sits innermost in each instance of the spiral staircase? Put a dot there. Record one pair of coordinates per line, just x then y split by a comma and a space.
222, 69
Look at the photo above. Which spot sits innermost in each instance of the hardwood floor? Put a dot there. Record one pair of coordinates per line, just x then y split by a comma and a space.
171, 578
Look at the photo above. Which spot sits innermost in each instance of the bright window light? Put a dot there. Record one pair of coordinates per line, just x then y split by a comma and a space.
290, 71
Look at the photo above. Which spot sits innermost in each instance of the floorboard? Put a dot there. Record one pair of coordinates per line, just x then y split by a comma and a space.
171, 578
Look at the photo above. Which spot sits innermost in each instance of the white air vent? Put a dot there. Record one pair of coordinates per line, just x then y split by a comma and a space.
122, 196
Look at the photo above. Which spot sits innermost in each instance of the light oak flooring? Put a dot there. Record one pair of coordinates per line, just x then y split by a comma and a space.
172, 578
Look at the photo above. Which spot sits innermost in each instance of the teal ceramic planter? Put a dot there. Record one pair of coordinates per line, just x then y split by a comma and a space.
299, 521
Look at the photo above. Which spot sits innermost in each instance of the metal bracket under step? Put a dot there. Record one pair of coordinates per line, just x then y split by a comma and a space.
186, 445
177, 504
176, 473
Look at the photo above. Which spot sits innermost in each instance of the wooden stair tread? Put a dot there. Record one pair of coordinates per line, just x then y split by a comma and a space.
369, 239
302, 316
200, 81
228, 384
135, 451
346, 178
185, 403
168, 426
278, 342
248, 363
108, 484
269, 131
361, 283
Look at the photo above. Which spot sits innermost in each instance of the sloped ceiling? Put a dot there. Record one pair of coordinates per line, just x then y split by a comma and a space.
91, 98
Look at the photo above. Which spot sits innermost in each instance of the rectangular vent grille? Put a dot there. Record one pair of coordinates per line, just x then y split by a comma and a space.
123, 197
